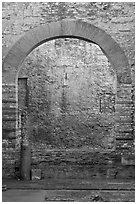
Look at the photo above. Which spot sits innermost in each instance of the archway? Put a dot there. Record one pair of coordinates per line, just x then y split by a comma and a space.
66, 28
71, 29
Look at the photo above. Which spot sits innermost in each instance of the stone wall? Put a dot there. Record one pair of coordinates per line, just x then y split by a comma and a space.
69, 87
66, 99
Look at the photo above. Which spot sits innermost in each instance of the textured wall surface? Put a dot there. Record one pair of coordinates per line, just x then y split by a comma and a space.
117, 19
70, 92
71, 95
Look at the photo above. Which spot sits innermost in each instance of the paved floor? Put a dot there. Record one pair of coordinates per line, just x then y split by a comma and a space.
69, 190
13, 195
69, 184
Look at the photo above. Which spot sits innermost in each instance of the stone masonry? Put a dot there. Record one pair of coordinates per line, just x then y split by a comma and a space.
68, 69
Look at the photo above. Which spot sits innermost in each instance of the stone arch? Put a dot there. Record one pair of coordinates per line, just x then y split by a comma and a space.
61, 29
66, 28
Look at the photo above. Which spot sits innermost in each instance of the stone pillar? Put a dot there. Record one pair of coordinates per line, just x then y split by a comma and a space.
124, 119
25, 147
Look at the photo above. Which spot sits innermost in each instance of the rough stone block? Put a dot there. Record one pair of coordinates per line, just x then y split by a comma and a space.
36, 174
127, 172
123, 127
128, 160
111, 173
125, 145
124, 135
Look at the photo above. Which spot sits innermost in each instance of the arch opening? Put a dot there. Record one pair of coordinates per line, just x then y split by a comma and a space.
70, 81
72, 29
67, 28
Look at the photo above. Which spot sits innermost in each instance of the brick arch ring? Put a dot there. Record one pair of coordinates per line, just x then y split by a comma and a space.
61, 29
